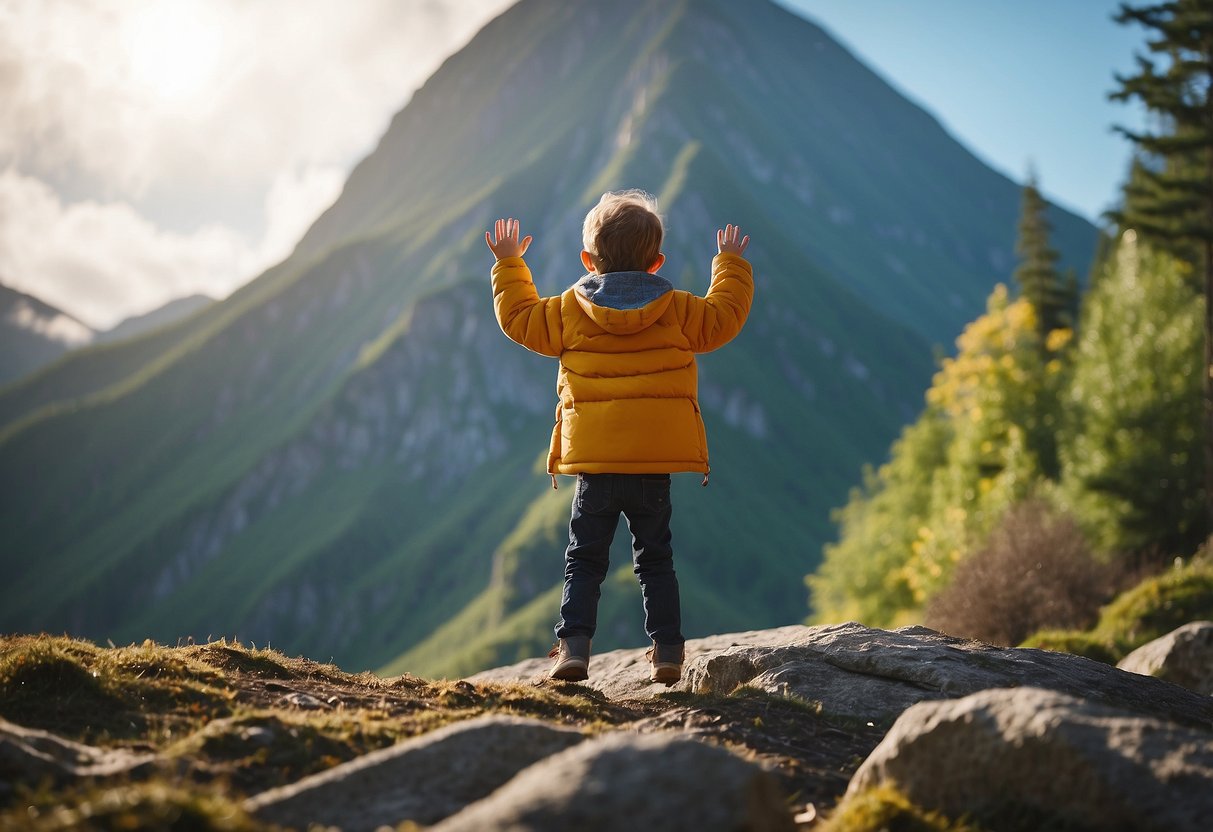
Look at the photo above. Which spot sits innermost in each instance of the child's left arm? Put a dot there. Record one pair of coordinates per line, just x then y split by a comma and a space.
712, 321
526, 318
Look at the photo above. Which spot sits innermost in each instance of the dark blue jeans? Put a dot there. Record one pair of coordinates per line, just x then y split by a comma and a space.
644, 501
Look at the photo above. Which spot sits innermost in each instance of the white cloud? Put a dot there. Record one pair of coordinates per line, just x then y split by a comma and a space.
292, 204
286, 82
196, 143
56, 327
103, 261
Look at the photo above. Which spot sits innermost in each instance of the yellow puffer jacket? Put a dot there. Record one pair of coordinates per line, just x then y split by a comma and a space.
626, 342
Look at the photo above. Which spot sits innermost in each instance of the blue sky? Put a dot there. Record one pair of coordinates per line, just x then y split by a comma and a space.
150, 149
1017, 81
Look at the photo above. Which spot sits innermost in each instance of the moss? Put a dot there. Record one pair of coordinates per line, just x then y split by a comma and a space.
1158, 605
1147, 611
153, 805
885, 809
1073, 641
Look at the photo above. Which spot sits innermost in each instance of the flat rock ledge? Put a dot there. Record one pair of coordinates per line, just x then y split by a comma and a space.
1028, 754
859, 672
424, 779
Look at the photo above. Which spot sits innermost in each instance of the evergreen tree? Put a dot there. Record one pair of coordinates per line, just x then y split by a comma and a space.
1131, 449
1036, 274
1169, 198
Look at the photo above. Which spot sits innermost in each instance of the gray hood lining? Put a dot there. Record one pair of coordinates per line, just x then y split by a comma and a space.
623, 290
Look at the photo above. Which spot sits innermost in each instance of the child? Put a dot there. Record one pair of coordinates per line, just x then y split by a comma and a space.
628, 414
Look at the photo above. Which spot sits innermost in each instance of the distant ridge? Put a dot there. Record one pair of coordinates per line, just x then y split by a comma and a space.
169, 313
34, 333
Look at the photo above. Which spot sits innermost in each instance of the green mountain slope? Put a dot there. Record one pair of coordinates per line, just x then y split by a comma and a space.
344, 458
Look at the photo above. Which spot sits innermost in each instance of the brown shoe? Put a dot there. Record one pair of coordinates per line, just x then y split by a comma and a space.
572, 657
665, 663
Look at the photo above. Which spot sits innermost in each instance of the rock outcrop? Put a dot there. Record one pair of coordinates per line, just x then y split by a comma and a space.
622, 674
1030, 755
424, 779
857, 671
631, 781
1183, 656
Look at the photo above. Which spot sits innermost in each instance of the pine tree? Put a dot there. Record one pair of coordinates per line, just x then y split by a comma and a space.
1036, 274
1169, 200
1131, 447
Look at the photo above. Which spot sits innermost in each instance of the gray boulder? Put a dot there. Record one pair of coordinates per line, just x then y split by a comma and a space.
423, 779
1183, 656
1023, 758
860, 672
632, 781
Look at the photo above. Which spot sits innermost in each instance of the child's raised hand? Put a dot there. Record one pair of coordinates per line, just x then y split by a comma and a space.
727, 242
503, 242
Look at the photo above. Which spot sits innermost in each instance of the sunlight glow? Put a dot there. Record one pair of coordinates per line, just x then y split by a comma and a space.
173, 47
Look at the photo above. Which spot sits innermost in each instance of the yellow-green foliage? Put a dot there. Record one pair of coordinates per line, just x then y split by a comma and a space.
1106, 427
1148, 611
884, 808
978, 447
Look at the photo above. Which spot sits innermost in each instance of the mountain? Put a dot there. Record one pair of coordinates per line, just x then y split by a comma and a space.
171, 312
34, 333
344, 458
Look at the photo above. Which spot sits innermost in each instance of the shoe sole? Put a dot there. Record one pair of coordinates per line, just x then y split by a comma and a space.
666, 674
570, 672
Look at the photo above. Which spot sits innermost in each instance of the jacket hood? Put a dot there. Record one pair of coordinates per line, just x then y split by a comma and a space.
624, 302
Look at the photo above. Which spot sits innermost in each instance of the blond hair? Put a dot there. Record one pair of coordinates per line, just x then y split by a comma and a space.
623, 232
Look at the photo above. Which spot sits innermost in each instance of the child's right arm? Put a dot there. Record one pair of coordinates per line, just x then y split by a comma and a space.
526, 318
714, 320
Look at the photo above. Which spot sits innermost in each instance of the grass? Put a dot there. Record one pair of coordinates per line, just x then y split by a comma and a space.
88, 693
192, 700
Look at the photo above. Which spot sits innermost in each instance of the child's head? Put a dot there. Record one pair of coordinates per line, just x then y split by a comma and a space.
622, 233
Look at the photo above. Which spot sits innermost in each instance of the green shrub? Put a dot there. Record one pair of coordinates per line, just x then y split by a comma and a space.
1153, 608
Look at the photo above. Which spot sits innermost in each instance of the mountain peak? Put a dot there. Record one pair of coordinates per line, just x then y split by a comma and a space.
340, 457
